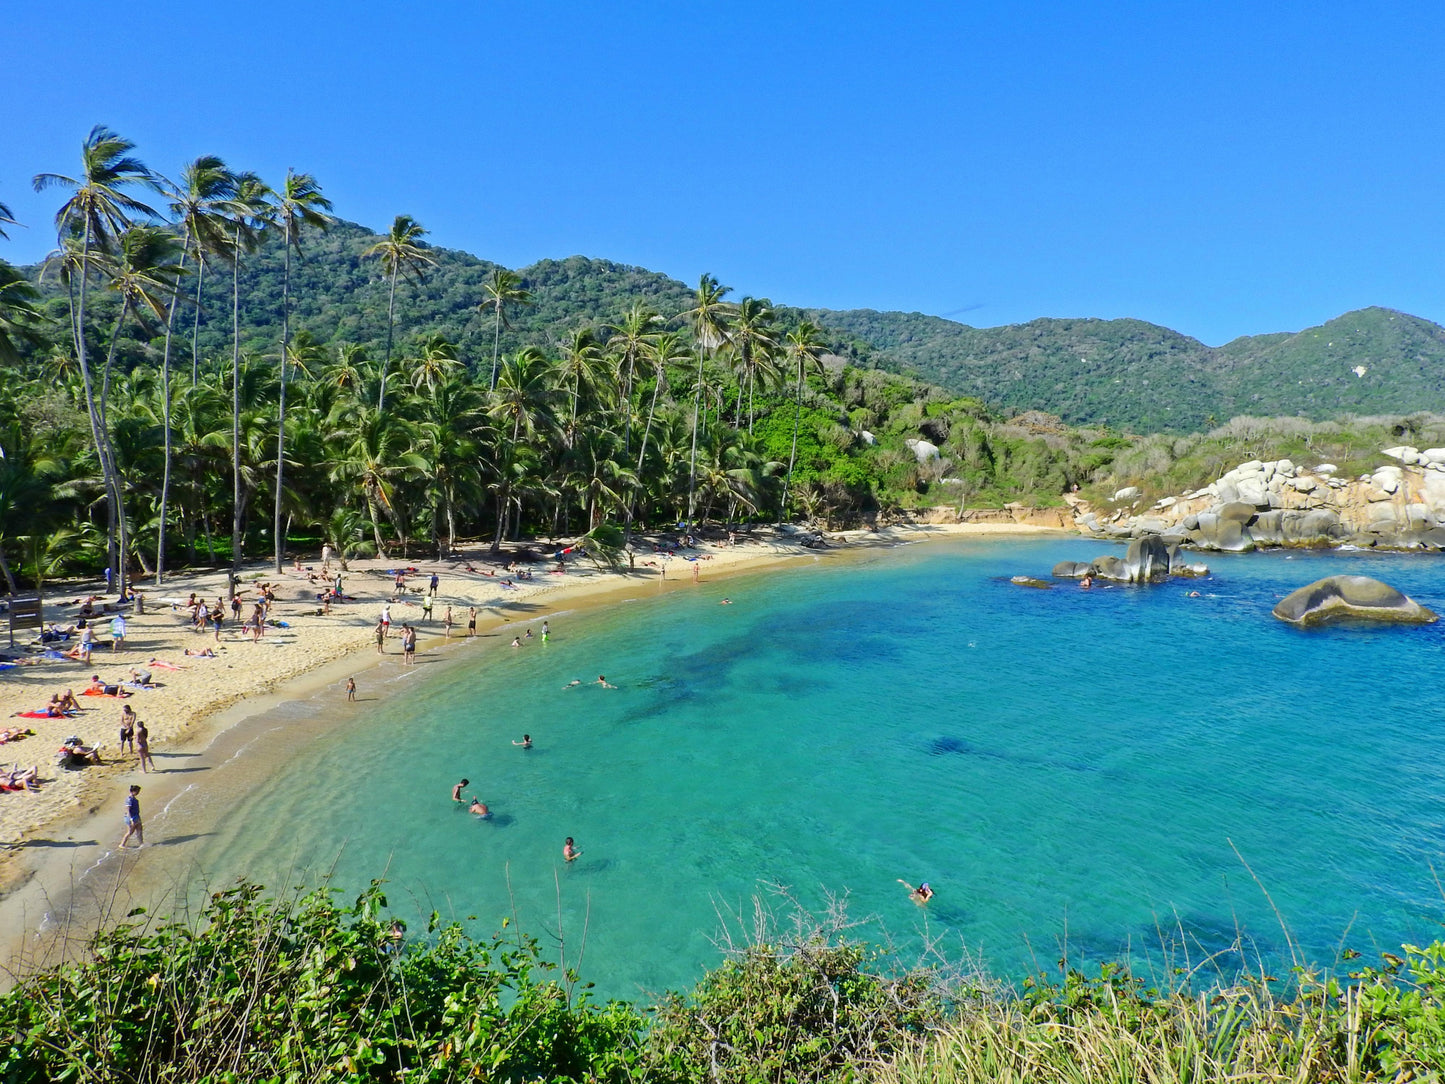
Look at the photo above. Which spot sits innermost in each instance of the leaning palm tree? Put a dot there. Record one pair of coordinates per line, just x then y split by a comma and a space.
199, 205
99, 207
805, 351
401, 252
299, 203
709, 318
505, 288
7, 218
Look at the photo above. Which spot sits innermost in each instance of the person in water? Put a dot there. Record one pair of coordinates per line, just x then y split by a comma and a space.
572, 684
602, 680
457, 791
526, 742
569, 850
920, 895
479, 807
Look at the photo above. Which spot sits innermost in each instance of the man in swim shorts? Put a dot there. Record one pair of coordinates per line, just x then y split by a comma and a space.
133, 825
471, 622
457, 790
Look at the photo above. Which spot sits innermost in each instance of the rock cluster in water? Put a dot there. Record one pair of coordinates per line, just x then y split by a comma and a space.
1400, 505
1147, 560
1351, 597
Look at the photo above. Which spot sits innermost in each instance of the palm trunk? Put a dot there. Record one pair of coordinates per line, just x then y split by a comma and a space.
236, 407
9, 579
496, 342
166, 419
793, 455
278, 538
505, 491
196, 322
120, 537
692, 459
386, 367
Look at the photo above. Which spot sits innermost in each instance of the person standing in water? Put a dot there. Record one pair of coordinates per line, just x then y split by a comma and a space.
351, 688
546, 632
570, 851
920, 895
133, 825
457, 790
526, 742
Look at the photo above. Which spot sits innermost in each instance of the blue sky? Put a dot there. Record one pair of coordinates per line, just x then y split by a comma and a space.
1221, 168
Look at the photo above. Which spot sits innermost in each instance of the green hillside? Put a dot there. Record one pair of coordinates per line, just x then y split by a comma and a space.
1143, 377
1128, 374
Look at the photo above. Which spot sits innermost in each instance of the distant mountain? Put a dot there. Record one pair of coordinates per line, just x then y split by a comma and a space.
1140, 376
1127, 373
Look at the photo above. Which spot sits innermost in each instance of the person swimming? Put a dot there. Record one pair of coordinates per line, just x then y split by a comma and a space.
572, 684
602, 680
457, 790
479, 807
920, 895
526, 742
570, 851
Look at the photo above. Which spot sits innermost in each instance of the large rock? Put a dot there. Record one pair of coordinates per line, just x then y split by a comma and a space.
1073, 570
924, 451
1145, 561
1350, 597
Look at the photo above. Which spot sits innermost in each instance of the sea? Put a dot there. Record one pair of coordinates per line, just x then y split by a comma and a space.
1163, 775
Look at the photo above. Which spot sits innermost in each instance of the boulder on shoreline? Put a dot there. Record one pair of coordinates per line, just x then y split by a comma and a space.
1350, 597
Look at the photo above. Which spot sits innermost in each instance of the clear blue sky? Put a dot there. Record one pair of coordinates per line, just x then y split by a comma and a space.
1222, 168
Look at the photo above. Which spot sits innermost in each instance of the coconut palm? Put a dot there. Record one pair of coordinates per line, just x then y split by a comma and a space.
628, 340
251, 215
8, 218
401, 251
754, 342
19, 318
374, 453
199, 205
299, 203
805, 347
666, 349
709, 319
100, 207
435, 363
503, 289
521, 406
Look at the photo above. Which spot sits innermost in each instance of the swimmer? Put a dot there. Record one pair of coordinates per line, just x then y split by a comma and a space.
526, 742
457, 790
1087, 582
920, 895
572, 684
1193, 594
602, 680
569, 851
516, 641
479, 807
529, 634
726, 602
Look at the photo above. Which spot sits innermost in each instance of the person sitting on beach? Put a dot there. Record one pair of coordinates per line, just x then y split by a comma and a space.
141, 678
457, 790
22, 779
68, 702
920, 895
602, 680
479, 807
570, 851
526, 742
74, 749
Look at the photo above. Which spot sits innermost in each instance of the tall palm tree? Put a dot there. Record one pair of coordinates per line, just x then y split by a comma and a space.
709, 319
666, 349
754, 342
19, 318
504, 288
522, 405
299, 203
98, 209
251, 215
199, 205
805, 347
629, 339
401, 252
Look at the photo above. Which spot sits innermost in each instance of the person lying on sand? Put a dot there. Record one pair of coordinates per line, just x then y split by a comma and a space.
206, 653
100, 688
22, 778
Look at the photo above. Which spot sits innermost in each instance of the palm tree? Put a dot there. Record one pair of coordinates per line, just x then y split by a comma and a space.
522, 404
19, 318
436, 361
7, 217
709, 319
401, 251
754, 342
99, 208
629, 340
299, 203
199, 205
805, 350
251, 214
505, 288
666, 349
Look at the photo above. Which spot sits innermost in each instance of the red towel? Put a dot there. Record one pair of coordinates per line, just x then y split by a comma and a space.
97, 692
36, 715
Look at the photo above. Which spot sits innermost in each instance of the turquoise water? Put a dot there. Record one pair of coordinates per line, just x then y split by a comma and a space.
1067, 768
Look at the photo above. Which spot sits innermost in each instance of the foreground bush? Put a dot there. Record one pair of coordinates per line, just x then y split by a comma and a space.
305, 990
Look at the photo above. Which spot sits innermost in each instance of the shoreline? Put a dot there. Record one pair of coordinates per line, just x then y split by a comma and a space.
201, 718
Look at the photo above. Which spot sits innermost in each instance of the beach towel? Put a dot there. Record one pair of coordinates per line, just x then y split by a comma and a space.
97, 692
35, 715
51, 653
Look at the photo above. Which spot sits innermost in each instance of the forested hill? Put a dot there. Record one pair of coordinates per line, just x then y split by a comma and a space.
1147, 378
1128, 373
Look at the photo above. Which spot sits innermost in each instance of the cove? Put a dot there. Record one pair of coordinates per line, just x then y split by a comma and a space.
1080, 773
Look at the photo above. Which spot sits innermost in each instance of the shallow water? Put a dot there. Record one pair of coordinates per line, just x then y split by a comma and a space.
1109, 770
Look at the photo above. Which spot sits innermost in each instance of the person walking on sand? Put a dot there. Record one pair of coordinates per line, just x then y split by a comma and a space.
432, 587
133, 825
127, 728
117, 631
447, 622
426, 609
386, 619
350, 688
143, 747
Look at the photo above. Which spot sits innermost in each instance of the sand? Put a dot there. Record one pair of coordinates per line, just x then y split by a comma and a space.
43, 829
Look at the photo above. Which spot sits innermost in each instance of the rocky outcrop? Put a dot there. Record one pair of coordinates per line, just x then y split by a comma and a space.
1360, 598
1147, 560
1398, 505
